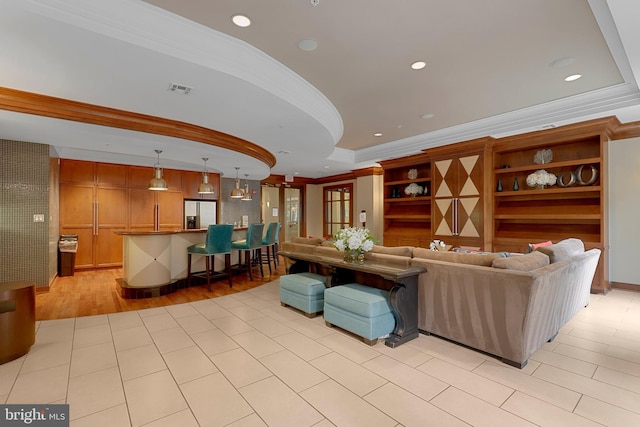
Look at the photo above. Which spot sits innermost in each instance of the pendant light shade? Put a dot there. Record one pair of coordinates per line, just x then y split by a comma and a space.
247, 194
237, 192
205, 187
158, 183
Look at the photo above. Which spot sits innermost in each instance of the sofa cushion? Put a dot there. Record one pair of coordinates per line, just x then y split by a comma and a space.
562, 250
393, 250
527, 262
462, 258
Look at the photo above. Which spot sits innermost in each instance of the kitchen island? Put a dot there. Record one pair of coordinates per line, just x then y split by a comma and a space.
154, 263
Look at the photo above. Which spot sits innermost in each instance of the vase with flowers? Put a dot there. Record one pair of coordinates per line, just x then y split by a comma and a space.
541, 178
354, 242
413, 189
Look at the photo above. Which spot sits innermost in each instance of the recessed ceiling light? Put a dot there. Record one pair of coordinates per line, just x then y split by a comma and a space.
572, 77
418, 65
377, 134
241, 20
427, 116
308, 45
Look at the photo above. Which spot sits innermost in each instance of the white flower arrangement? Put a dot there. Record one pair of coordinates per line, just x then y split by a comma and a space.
352, 238
541, 178
413, 189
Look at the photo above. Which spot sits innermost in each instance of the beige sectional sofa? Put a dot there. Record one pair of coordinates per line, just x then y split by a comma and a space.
506, 305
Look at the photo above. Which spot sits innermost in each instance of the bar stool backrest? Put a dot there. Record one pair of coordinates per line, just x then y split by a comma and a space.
276, 237
254, 235
219, 238
270, 237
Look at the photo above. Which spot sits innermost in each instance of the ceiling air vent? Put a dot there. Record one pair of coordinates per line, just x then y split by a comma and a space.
178, 88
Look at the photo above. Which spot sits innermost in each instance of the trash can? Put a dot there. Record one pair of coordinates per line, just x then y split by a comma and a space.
67, 248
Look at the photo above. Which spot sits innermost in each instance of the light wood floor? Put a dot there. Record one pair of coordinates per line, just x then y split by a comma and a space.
92, 292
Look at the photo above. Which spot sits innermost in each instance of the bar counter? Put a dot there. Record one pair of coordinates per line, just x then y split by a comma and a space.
153, 262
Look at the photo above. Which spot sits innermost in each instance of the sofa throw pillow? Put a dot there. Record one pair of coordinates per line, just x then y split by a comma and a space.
462, 258
533, 246
563, 249
526, 262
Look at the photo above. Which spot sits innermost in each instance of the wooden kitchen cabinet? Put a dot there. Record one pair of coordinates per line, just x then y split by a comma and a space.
93, 204
191, 181
155, 210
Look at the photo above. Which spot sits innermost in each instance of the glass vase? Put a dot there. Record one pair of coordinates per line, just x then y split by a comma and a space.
354, 256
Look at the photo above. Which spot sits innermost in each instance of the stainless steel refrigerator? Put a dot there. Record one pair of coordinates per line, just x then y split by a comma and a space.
200, 213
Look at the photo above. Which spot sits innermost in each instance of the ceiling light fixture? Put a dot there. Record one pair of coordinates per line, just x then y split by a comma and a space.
158, 183
205, 187
241, 20
247, 195
418, 65
572, 77
426, 116
377, 134
237, 192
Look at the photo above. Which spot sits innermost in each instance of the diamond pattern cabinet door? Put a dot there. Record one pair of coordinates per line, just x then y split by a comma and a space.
457, 207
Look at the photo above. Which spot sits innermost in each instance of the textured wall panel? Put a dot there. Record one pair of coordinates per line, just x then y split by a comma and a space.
24, 191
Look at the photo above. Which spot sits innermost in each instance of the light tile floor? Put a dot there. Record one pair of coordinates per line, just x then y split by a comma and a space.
243, 360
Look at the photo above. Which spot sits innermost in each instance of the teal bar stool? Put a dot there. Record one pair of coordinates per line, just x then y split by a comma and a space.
268, 242
253, 243
217, 242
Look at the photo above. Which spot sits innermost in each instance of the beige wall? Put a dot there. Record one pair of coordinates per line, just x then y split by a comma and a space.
624, 207
368, 197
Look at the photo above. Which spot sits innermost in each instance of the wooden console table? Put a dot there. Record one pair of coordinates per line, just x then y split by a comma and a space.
402, 283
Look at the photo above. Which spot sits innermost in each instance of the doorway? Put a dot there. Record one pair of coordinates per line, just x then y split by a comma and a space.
283, 204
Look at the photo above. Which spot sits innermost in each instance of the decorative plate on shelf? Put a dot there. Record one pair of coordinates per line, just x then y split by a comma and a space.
413, 173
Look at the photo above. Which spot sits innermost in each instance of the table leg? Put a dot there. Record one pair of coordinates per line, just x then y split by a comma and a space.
403, 298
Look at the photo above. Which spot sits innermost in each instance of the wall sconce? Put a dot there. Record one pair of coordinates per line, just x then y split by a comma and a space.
158, 183
247, 195
237, 193
205, 187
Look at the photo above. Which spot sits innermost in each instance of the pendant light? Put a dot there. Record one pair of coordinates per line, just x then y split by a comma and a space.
205, 187
237, 193
247, 195
158, 183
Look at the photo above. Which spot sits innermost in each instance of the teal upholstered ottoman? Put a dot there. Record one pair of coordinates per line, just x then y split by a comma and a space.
359, 309
304, 291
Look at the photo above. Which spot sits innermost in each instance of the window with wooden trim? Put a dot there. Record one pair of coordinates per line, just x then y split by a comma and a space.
338, 208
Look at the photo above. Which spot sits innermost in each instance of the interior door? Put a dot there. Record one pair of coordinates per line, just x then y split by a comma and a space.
292, 214
283, 204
